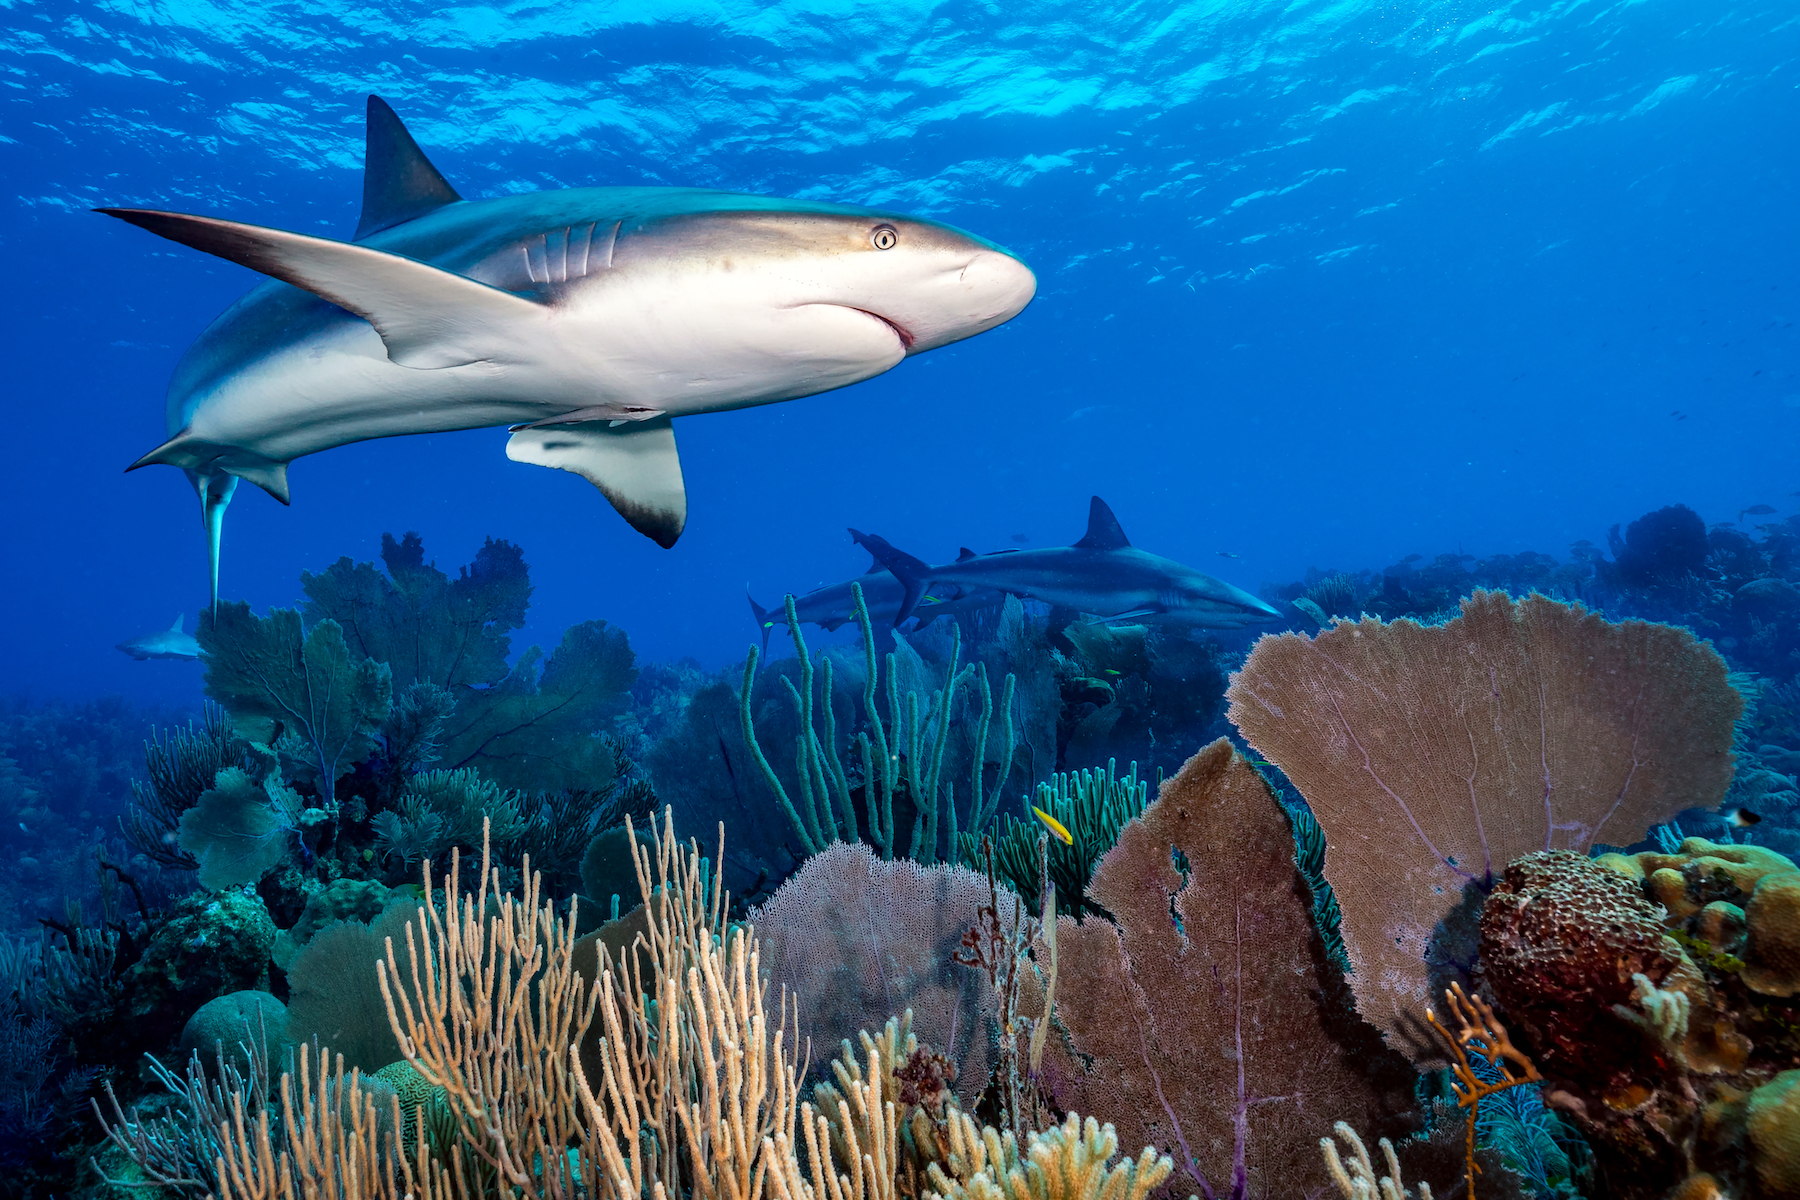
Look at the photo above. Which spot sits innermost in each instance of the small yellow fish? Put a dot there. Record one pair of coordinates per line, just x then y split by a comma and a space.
1054, 826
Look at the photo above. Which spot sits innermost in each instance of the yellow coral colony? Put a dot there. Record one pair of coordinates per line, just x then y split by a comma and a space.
696, 1095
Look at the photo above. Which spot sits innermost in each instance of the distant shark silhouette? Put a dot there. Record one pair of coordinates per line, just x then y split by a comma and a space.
832, 606
164, 643
585, 319
1103, 574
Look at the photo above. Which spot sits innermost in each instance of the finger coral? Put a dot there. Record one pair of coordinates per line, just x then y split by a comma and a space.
1434, 755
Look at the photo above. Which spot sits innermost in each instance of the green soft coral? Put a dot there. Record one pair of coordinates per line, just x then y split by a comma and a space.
238, 829
274, 677
425, 625
536, 729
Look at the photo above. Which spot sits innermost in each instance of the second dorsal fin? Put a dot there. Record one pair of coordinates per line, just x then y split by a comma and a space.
399, 182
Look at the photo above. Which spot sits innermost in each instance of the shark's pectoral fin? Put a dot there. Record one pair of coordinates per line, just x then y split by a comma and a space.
426, 317
635, 464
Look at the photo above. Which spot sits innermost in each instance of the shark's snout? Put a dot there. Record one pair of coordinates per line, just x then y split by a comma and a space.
990, 288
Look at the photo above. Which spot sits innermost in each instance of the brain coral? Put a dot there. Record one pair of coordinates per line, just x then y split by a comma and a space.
1561, 938
1434, 755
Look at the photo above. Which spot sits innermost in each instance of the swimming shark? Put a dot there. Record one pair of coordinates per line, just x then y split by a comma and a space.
1102, 574
584, 319
832, 606
164, 643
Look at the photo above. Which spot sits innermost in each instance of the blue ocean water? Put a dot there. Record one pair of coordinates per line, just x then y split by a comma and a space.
1320, 285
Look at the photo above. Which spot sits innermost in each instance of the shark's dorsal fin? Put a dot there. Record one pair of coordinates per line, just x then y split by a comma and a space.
634, 463
399, 182
1103, 532
966, 555
176, 627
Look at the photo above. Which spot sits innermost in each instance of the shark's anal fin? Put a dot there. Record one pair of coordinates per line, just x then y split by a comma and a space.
427, 318
635, 464
399, 182
1103, 532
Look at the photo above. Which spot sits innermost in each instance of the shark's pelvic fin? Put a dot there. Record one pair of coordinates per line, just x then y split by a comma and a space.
426, 317
271, 477
215, 488
635, 464
1103, 532
399, 182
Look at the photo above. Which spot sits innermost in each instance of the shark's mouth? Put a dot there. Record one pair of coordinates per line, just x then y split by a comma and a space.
906, 339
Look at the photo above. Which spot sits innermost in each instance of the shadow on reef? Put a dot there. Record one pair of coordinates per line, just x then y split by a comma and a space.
1303, 899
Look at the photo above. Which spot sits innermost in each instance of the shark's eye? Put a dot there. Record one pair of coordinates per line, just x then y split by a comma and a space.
884, 237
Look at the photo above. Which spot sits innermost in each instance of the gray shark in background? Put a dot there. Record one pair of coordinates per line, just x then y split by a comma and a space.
584, 319
164, 643
1103, 574
832, 606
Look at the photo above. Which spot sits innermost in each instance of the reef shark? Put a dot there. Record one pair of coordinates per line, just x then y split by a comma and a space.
833, 605
584, 319
1102, 574
164, 643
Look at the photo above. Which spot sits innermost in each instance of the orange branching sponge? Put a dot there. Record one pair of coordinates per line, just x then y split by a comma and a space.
1434, 755
1478, 1028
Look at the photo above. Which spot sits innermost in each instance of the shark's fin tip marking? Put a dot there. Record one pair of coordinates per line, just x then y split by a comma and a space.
399, 182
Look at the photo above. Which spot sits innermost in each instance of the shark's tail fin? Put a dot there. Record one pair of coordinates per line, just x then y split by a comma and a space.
913, 574
215, 488
765, 620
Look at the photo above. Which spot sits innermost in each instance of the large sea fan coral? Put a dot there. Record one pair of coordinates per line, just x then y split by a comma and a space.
1434, 755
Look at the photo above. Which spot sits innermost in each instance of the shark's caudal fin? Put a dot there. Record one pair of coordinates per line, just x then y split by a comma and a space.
765, 620
399, 182
1103, 532
634, 464
215, 489
914, 575
427, 318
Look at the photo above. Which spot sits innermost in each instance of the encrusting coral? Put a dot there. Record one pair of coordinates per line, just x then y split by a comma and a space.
1630, 977
1434, 755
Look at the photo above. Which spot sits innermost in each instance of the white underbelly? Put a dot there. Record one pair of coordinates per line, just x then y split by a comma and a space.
338, 386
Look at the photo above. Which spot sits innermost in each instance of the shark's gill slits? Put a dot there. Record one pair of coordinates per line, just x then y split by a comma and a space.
569, 253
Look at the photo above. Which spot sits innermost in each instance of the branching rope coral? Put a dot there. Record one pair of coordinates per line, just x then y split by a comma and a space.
494, 1002
1477, 1028
904, 749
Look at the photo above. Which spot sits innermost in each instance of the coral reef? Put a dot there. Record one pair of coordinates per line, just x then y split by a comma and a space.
854, 938
1455, 748
1628, 975
1243, 1074
1093, 806
275, 680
